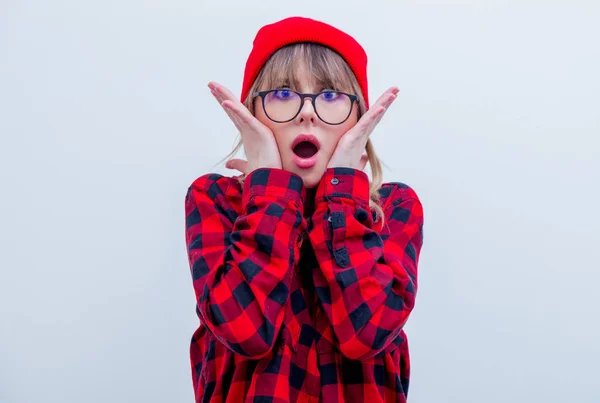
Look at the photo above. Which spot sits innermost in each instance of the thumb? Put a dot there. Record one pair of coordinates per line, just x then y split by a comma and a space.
363, 161
237, 164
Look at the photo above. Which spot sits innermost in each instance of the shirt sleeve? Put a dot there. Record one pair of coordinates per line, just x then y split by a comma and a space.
370, 271
241, 264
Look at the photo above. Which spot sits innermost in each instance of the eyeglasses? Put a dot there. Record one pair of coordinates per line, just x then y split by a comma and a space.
282, 105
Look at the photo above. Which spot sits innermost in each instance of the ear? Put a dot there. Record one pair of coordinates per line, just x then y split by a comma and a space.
363, 161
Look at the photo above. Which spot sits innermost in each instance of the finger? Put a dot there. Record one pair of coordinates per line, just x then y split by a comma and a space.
224, 95
381, 106
223, 92
243, 114
363, 161
234, 112
374, 111
232, 116
213, 90
218, 98
237, 164
387, 97
371, 121
220, 94
376, 119
221, 98
384, 100
372, 115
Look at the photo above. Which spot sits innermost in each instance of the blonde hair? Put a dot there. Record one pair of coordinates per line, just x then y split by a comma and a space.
330, 70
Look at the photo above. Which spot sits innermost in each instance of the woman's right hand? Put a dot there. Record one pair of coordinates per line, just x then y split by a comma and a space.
259, 142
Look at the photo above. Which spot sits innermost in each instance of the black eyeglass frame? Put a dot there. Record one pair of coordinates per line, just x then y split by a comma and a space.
313, 97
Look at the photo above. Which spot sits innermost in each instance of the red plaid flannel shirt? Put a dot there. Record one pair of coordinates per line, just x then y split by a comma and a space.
280, 326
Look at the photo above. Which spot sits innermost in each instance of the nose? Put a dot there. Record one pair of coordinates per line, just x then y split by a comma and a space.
307, 112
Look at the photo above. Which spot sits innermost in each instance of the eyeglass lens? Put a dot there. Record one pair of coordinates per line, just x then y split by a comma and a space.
283, 105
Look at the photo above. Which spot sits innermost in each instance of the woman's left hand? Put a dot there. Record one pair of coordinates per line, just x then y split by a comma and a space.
352, 144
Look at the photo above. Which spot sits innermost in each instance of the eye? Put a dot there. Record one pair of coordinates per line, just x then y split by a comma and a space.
283, 93
329, 95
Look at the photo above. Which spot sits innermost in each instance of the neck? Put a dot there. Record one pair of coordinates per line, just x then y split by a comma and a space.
309, 204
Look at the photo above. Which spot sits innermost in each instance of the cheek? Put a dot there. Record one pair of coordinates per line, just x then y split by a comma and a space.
352, 120
348, 124
259, 114
284, 135
275, 128
337, 132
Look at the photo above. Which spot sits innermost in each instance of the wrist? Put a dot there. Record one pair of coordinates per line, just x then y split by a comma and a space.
346, 163
344, 182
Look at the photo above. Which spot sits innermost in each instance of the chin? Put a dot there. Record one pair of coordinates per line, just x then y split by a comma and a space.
312, 178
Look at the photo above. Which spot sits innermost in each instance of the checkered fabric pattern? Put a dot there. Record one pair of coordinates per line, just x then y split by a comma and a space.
296, 309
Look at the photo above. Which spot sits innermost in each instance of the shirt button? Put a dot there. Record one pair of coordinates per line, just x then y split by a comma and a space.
335, 181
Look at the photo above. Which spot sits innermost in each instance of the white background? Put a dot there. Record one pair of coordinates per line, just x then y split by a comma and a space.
105, 120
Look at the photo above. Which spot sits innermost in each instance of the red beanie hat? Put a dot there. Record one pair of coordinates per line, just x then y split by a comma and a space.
274, 36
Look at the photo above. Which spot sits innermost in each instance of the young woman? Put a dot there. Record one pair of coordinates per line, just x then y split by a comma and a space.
305, 272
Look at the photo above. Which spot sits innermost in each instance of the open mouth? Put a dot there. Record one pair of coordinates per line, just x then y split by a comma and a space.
305, 149
305, 146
